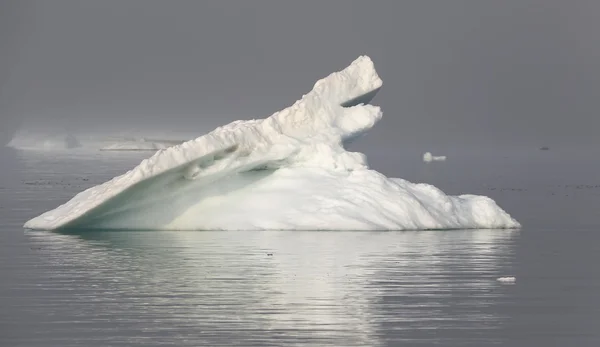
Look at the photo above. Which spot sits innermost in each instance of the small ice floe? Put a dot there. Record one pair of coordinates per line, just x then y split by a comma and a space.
506, 280
428, 157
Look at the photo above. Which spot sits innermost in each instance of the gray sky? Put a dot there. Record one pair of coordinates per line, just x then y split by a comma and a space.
455, 72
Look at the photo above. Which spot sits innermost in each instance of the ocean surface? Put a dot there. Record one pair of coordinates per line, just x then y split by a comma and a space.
274, 288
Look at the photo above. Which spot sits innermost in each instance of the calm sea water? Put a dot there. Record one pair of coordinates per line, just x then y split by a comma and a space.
339, 288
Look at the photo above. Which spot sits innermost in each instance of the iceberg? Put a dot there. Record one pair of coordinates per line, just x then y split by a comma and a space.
289, 171
44, 142
60, 142
141, 144
507, 280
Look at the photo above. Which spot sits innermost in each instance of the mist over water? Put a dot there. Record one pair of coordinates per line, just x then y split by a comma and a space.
455, 73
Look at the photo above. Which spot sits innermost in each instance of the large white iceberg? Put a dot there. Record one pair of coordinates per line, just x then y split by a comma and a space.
288, 171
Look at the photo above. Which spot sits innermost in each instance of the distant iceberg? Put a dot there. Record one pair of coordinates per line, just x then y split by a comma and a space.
61, 142
506, 280
288, 171
31, 141
141, 144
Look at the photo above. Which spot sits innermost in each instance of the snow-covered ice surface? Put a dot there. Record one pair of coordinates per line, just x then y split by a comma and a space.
428, 157
287, 171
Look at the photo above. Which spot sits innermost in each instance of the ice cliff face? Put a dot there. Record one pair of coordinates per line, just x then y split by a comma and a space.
287, 171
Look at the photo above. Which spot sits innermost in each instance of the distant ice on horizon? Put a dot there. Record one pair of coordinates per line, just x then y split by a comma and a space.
67, 142
289, 171
141, 144
507, 280
47, 142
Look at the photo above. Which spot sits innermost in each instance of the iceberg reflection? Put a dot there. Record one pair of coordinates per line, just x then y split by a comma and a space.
276, 287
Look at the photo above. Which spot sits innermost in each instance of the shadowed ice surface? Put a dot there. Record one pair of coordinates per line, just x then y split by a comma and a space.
339, 288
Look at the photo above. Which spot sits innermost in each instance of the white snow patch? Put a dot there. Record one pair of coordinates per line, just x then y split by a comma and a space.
428, 157
287, 171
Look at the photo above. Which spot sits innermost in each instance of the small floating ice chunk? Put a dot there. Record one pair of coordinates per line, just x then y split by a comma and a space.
428, 157
506, 280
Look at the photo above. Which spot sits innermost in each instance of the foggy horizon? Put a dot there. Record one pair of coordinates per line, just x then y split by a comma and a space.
454, 73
